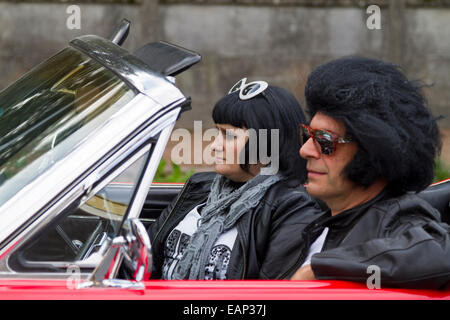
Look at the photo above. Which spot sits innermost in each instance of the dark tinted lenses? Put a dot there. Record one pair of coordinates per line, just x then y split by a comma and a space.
251, 88
326, 146
322, 138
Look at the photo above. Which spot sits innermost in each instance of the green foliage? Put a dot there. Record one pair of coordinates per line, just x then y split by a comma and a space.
176, 175
441, 171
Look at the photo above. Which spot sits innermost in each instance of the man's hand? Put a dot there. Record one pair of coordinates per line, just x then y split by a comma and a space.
304, 273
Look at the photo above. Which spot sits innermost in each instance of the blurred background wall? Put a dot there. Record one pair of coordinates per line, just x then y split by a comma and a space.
279, 41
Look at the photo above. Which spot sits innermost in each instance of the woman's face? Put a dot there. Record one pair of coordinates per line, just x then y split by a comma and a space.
227, 146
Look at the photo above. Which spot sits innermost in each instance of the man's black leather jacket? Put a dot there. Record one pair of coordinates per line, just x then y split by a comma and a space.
268, 236
402, 236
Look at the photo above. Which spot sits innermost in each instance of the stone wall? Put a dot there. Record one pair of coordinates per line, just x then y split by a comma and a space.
313, 3
32, 32
280, 41
283, 44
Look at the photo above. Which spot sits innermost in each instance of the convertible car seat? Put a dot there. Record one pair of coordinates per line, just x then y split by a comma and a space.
438, 195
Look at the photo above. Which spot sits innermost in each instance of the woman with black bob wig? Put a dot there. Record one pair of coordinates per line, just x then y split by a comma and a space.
241, 221
275, 110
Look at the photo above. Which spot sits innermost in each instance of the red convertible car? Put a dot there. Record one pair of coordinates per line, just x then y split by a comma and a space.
81, 136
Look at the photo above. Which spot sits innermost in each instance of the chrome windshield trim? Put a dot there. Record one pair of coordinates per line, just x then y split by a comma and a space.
69, 198
136, 206
115, 172
43, 191
146, 181
129, 68
163, 126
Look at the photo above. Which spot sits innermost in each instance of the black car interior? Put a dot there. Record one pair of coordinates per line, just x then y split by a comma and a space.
159, 197
438, 196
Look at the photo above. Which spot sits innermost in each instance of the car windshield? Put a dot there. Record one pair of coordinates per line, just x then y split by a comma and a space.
51, 109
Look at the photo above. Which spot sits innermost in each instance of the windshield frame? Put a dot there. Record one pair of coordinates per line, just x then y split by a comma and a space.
129, 68
67, 176
49, 111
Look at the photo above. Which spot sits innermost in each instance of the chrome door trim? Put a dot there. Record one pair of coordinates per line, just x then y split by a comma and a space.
167, 186
142, 142
43, 191
72, 195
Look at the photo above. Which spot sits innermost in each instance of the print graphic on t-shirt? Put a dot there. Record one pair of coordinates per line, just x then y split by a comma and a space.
175, 246
216, 268
177, 242
179, 238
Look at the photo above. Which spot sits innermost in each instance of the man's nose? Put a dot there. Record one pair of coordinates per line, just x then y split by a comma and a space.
309, 150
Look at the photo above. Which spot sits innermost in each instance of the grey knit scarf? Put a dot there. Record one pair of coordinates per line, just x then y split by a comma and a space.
224, 206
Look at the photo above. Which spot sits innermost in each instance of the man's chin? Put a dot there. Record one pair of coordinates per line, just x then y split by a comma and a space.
313, 189
218, 169
223, 170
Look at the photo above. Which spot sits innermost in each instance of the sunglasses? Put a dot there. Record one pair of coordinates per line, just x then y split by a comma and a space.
326, 140
248, 90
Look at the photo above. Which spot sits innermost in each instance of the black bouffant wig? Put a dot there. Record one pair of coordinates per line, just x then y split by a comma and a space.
385, 113
274, 108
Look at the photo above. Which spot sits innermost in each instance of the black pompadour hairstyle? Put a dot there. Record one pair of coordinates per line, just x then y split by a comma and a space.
385, 113
275, 108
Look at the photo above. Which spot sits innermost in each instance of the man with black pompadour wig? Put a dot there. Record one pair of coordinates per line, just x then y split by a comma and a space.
370, 147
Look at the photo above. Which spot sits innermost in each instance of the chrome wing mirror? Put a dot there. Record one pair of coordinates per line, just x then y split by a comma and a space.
134, 249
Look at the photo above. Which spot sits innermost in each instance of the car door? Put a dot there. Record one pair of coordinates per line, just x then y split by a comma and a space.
95, 120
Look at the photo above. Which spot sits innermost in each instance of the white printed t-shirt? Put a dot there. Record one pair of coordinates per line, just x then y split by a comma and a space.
316, 246
179, 238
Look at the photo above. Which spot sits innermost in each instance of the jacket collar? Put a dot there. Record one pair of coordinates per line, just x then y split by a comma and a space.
350, 216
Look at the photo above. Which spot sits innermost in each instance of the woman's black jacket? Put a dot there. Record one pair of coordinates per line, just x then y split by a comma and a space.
269, 236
